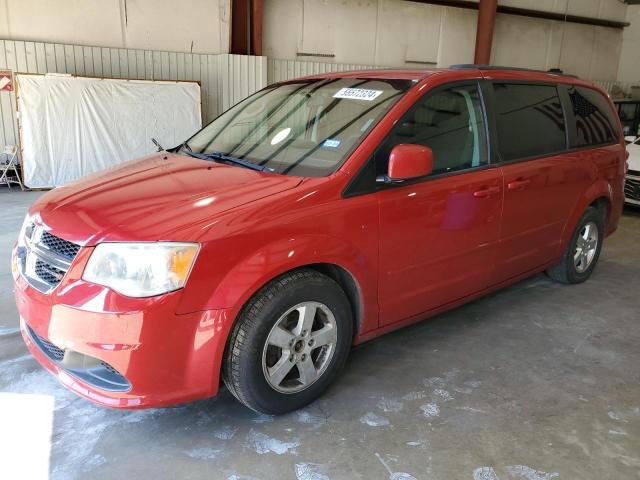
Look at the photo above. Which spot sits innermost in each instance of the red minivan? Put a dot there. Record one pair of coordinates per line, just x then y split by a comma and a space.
314, 215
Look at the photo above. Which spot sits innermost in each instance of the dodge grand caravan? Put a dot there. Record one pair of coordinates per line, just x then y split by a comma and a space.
314, 215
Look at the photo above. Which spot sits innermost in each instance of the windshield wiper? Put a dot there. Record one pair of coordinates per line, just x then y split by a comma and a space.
185, 146
238, 161
157, 144
221, 157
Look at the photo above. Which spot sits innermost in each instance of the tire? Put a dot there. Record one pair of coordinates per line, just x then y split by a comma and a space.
567, 270
253, 363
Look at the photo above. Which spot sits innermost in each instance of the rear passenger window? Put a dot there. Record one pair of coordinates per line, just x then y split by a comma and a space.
530, 120
595, 121
450, 122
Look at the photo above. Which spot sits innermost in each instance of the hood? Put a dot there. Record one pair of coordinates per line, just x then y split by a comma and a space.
159, 197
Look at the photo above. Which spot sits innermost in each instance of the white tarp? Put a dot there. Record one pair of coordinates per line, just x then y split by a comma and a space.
73, 126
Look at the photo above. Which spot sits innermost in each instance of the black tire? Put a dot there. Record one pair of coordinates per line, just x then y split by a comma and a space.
565, 271
242, 369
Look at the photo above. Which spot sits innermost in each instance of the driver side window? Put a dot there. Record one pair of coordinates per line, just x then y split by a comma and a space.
450, 122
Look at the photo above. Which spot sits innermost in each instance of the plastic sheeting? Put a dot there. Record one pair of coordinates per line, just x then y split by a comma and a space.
73, 126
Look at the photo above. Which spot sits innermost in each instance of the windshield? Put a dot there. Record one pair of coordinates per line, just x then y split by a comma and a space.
304, 128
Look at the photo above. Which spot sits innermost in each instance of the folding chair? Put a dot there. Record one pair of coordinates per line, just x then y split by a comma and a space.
10, 165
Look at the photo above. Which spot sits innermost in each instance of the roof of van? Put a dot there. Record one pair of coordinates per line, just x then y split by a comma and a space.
419, 74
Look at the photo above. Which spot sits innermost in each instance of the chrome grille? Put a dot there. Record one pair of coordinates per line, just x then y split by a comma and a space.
59, 246
48, 273
632, 188
45, 258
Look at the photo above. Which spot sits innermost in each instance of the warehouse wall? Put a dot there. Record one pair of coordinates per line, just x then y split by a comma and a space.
224, 79
197, 26
629, 67
404, 33
369, 32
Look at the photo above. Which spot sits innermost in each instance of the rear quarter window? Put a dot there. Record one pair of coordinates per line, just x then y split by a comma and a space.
595, 121
530, 120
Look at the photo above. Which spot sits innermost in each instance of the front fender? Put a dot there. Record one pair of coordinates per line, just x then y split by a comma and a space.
278, 257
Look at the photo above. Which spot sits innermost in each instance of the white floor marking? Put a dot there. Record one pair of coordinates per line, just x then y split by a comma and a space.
529, 473
310, 471
430, 410
389, 405
374, 420
395, 475
261, 444
203, 453
485, 473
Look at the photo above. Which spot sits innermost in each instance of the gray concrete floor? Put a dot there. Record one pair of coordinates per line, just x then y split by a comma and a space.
538, 381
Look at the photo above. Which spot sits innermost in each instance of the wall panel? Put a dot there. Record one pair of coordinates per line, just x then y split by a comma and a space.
200, 26
280, 70
224, 79
408, 34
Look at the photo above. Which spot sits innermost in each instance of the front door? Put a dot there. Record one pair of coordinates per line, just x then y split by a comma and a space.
438, 234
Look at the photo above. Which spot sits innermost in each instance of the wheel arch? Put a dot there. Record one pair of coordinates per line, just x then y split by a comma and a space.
603, 205
599, 196
349, 285
354, 270
343, 277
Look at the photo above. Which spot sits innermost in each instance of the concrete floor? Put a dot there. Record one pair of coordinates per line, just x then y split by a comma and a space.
538, 381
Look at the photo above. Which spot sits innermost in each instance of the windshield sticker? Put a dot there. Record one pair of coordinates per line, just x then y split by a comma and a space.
331, 143
358, 94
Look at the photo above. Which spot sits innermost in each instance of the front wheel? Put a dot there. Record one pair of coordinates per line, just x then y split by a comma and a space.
289, 342
582, 253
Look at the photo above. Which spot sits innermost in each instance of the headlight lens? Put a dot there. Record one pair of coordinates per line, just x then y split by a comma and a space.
141, 269
26, 223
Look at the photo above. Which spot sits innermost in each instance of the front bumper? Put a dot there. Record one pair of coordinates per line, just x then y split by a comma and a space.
632, 189
165, 358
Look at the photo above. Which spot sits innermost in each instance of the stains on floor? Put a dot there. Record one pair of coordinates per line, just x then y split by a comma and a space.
374, 420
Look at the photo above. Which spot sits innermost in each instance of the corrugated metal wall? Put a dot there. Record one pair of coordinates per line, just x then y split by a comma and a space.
224, 79
615, 88
279, 70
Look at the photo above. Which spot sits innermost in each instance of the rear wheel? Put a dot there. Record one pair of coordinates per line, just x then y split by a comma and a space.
583, 251
289, 343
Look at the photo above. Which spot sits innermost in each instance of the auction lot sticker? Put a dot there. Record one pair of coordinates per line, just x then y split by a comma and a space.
357, 94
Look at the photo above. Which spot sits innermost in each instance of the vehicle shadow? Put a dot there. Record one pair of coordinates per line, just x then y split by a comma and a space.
631, 211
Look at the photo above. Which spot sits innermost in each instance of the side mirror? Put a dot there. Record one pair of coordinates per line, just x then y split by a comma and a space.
408, 161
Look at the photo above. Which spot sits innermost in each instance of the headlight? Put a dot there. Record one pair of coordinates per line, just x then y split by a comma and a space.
141, 269
26, 224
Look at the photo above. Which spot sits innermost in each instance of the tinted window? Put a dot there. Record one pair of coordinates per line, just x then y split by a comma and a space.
595, 122
530, 120
450, 122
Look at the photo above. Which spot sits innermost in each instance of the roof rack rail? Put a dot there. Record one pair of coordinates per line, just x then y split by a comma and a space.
472, 66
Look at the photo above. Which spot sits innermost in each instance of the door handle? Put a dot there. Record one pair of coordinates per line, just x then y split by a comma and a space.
518, 184
486, 192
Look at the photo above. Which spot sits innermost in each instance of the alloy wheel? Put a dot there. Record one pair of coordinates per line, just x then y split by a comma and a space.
586, 246
299, 347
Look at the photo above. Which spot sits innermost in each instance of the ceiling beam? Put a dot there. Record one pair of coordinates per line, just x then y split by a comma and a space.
527, 12
246, 27
484, 32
